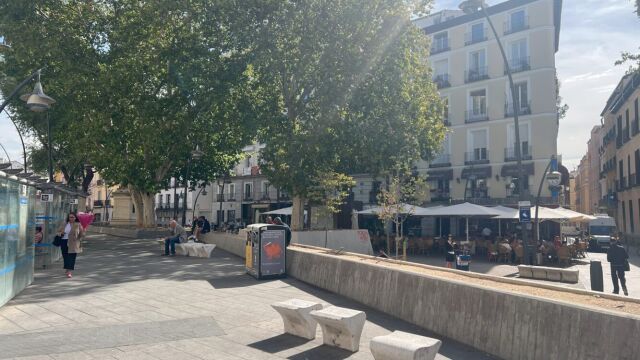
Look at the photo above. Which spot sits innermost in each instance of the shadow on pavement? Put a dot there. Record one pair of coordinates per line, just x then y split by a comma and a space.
279, 343
322, 352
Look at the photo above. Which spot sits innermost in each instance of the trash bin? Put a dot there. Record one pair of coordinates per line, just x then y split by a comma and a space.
266, 250
596, 276
463, 261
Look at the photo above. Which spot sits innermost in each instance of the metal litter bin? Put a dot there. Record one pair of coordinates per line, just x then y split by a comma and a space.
595, 269
266, 250
463, 261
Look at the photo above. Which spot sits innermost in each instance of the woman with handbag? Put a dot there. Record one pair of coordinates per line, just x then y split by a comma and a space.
71, 233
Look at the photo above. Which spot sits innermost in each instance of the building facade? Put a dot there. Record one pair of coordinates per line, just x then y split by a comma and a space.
478, 159
620, 155
583, 186
593, 155
99, 199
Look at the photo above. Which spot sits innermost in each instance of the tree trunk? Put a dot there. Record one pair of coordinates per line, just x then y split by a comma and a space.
136, 198
297, 214
148, 210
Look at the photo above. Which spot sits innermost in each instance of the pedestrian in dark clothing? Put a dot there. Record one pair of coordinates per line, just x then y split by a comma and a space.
450, 256
618, 258
206, 226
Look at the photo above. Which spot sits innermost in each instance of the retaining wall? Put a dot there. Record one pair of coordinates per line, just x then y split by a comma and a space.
502, 324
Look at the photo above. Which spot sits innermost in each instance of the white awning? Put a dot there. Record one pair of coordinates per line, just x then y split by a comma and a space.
466, 210
284, 211
404, 209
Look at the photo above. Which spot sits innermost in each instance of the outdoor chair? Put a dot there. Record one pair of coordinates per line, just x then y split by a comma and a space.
492, 253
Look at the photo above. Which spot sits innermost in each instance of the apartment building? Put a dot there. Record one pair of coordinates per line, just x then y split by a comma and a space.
583, 186
478, 158
99, 198
620, 155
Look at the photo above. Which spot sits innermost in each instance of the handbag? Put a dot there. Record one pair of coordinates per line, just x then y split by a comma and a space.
57, 241
626, 266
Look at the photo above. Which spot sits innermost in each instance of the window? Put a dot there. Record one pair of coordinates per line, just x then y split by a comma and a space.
248, 193
445, 104
624, 217
477, 33
220, 216
231, 215
441, 73
440, 43
232, 190
522, 95
519, 56
478, 102
443, 156
517, 22
478, 145
168, 197
247, 161
477, 66
524, 140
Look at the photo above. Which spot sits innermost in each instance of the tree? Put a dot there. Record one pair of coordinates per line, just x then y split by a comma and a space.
630, 58
350, 87
398, 200
141, 84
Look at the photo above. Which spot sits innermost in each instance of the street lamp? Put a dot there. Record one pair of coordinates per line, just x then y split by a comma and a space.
472, 6
202, 191
196, 154
554, 178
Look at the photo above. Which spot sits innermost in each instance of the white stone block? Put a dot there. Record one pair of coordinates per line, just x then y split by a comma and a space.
570, 276
181, 249
192, 249
554, 274
404, 346
341, 327
205, 250
525, 271
296, 317
539, 273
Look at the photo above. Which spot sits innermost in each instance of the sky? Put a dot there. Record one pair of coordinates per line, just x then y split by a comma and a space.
593, 34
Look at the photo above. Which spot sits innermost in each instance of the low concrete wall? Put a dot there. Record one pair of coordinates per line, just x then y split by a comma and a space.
355, 241
233, 243
502, 324
129, 233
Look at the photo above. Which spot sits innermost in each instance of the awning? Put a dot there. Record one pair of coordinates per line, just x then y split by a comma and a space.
466, 210
479, 172
403, 209
512, 170
283, 211
433, 175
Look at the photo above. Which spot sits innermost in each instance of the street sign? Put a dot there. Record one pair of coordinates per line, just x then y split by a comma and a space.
46, 197
525, 214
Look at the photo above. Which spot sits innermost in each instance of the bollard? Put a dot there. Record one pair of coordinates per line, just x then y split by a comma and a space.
596, 276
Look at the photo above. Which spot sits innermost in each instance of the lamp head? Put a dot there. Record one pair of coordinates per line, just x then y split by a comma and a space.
471, 6
197, 154
38, 101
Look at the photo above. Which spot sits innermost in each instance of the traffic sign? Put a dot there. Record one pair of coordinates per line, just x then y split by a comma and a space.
525, 214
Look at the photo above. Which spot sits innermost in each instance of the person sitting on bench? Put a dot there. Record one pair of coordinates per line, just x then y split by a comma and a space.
178, 235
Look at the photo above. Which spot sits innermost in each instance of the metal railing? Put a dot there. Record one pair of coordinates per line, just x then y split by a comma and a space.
220, 197
518, 65
476, 74
511, 27
441, 161
477, 157
442, 81
473, 38
510, 153
473, 116
440, 45
525, 109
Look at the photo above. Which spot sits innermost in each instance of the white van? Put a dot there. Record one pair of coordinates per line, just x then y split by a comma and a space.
601, 230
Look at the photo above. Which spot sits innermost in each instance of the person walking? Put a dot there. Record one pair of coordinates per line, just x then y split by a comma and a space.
178, 235
618, 258
450, 256
72, 234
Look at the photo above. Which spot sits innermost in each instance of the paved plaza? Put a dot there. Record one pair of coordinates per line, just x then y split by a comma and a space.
127, 302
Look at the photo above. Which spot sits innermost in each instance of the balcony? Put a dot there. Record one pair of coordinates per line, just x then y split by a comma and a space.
510, 153
476, 74
525, 109
442, 81
440, 195
625, 135
440, 45
621, 185
476, 157
220, 197
98, 203
475, 37
473, 116
247, 196
517, 65
511, 27
632, 180
634, 128
284, 197
442, 160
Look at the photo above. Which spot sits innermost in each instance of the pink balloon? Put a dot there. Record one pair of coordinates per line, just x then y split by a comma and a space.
85, 219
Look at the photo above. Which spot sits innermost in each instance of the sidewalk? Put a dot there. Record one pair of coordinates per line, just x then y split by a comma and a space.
127, 302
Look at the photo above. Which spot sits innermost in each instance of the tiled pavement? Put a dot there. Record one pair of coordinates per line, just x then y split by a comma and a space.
126, 302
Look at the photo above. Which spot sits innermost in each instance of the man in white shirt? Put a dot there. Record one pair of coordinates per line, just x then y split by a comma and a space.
178, 235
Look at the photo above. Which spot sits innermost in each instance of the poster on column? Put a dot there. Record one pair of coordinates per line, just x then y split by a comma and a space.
272, 256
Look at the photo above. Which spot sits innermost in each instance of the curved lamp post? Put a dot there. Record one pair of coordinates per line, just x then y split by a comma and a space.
472, 6
37, 101
202, 191
196, 154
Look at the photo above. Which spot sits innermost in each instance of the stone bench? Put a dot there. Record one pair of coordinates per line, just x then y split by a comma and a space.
404, 346
296, 316
549, 273
192, 249
341, 327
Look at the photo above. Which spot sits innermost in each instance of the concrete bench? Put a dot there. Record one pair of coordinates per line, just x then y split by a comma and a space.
296, 316
548, 273
191, 249
341, 327
404, 346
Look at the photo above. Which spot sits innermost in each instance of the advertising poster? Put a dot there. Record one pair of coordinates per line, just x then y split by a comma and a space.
273, 247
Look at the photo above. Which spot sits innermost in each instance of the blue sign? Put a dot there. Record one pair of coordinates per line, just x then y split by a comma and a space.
525, 214
23, 201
